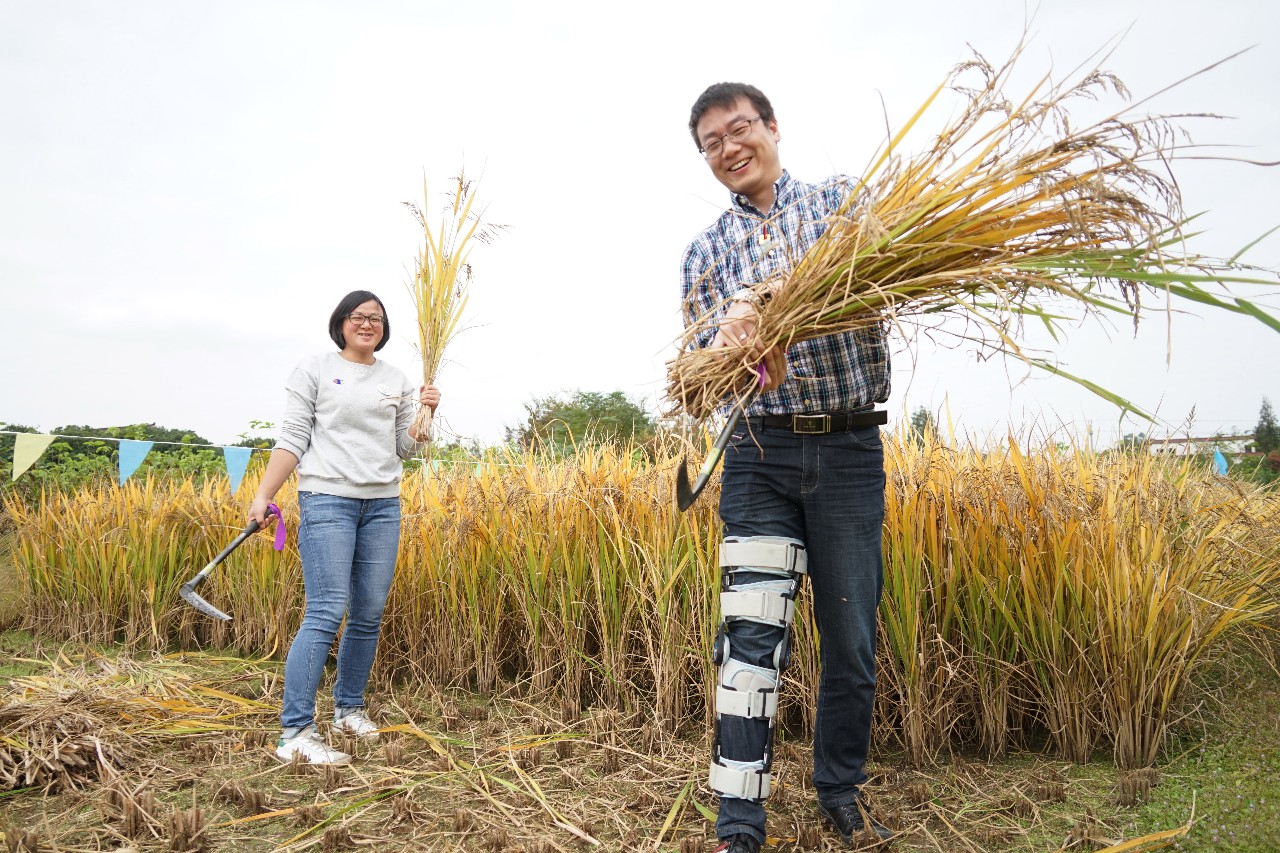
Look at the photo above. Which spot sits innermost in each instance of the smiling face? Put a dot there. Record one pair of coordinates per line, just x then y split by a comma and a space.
364, 336
749, 167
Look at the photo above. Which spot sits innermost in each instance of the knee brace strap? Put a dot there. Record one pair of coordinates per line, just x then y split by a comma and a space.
747, 691
764, 553
744, 781
756, 604
750, 705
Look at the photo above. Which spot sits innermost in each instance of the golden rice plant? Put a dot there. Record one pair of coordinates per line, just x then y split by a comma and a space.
104, 564
985, 637
1071, 593
103, 561
1183, 565
572, 572
918, 607
1052, 607
1013, 212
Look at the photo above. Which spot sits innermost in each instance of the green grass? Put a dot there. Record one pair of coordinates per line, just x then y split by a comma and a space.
20, 654
1227, 765
10, 591
19, 651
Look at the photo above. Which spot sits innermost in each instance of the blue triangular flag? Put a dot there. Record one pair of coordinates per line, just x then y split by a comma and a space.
131, 455
237, 459
1220, 461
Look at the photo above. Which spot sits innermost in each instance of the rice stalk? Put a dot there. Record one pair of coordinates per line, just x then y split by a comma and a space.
919, 601
441, 276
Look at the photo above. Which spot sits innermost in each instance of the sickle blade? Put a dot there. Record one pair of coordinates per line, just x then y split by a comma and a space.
685, 496
189, 595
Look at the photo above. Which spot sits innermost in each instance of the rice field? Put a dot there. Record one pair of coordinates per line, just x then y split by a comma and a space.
1045, 594
1043, 607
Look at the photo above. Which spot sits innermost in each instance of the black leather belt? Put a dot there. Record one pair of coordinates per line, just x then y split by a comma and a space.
821, 423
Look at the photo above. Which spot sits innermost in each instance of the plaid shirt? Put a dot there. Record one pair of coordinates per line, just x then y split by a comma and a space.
835, 373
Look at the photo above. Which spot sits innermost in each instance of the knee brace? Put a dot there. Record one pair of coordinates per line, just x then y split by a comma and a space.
743, 689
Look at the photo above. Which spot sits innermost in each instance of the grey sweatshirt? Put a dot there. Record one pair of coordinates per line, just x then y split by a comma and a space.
348, 424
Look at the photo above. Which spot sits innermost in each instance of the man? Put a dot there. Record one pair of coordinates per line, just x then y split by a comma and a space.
803, 484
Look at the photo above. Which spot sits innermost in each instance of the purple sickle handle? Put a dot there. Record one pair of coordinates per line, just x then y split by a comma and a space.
281, 533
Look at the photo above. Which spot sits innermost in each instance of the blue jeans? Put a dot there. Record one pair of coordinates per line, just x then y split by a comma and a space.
348, 548
828, 492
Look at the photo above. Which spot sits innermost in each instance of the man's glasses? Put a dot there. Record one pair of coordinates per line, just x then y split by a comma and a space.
740, 132
361, 319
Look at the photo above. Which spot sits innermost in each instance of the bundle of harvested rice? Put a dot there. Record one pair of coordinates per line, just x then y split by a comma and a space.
53, 746
441, 275
1009, 214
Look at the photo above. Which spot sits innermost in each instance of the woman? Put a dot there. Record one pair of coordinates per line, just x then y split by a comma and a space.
347, 425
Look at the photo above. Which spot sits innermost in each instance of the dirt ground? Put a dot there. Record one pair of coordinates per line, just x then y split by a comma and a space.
174, 753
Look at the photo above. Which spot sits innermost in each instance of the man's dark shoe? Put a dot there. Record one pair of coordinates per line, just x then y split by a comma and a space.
849, 822
740, 843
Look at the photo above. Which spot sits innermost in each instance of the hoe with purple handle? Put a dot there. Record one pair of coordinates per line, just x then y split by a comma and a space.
686, 494
188, 589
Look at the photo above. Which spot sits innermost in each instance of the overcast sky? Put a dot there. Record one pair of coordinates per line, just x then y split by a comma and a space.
187, 189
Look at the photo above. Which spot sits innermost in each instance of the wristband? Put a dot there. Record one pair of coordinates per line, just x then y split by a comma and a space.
746, 294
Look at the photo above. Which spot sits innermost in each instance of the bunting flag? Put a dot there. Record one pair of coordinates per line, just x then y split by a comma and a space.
27, 448
237, 459
132, 452
1221, 461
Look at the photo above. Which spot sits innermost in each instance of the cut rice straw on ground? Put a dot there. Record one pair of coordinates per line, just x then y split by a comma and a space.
1009, 215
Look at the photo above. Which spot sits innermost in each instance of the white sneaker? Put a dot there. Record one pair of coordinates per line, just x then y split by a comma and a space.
358, 723
312, 748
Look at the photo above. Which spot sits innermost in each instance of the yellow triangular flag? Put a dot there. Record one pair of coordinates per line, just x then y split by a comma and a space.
27, 448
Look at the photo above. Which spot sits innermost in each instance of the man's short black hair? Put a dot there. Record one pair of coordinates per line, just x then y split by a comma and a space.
349, 303
726, 95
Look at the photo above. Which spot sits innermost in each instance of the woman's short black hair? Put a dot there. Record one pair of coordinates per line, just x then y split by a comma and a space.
349, 303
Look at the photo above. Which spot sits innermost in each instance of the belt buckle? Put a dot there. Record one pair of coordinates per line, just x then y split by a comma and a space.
811, 424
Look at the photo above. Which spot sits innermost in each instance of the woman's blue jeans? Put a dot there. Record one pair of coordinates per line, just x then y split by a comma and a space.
348, 548
828, 492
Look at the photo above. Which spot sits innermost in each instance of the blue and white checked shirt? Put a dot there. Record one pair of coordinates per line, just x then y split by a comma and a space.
835, 373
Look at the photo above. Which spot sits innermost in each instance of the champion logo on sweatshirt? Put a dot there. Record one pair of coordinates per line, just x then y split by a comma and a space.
337, 382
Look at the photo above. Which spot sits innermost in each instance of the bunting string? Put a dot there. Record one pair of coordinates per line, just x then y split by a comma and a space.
28, 447
53, 435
